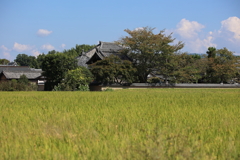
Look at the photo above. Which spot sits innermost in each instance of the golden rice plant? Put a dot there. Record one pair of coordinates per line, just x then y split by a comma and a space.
123, 124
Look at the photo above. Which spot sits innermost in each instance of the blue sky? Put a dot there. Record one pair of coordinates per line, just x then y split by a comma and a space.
37, 26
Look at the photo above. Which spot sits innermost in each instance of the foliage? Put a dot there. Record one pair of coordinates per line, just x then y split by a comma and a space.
77, 77
211, 52
150, 51
4, 61
113, 70
15, 85
129, 124
188, 68
53, 52
108, 89
196, 56
225, 65
25, 60
23, 80
75, 80
66, 87
154, 80
222, 66
55, 67
77, 51
83, 88
40, 59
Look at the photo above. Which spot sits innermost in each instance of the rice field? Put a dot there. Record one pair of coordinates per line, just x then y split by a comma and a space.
123, 124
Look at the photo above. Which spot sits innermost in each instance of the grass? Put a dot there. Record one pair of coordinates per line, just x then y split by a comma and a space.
123, 124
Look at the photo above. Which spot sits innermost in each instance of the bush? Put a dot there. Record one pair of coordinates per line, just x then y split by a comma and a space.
65, 87
154, 80
23, 79
15, 85
75, 80
108, 89
83, 88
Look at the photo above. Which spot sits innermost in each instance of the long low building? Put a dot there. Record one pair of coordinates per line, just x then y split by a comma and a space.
8, 73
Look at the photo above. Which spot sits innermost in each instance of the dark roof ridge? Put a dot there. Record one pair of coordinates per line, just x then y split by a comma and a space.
28, 71
101, 53
15, 66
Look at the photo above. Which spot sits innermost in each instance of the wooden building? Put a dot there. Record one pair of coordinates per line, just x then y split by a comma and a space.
99, 52
8, 73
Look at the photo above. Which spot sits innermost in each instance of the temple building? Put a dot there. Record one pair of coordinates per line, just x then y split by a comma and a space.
99, 52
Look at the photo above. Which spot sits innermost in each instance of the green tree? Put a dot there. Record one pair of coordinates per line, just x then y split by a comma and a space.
4, 61
76, 79
52, 52
196, 56
188, 68
113, 70
55, 67
25, 60
77, 51
23, 80
40, 59
211, 52
149, 51
83, 47
225, 65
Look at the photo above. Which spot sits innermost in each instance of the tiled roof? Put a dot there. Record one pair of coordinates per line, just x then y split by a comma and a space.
14, 68
103, 49
14, 72
107, 47
17, 74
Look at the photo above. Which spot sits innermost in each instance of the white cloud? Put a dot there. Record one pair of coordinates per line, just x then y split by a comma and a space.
63, 45
35, 52
231, 24
188, 29
200, 45
4, 48
6, 52
190, 32
138, 29
197, 41
7, 55
43, 32
48, 47
21, 47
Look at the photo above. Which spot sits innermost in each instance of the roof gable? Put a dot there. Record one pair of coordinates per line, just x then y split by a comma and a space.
102, 50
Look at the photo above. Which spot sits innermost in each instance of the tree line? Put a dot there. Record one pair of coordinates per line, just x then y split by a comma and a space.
149, 53
157, 55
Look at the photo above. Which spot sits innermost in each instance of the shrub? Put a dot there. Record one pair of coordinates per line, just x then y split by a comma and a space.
108, 89
23, 79
75, 80
154, 80
15, 85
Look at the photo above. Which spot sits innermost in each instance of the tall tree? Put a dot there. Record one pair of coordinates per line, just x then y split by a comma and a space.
211, 52
55, 67
25, 60
77, 51
76, 79
83, 47
225, 65
189, 68
113, 70
4, 61
40, 59
150, 51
